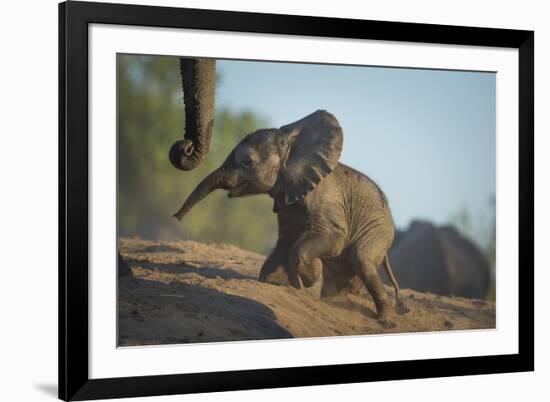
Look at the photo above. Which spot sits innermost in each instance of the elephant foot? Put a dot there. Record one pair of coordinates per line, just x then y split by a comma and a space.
310, 274
275, 278
383, 313
383, 308
386, 323
280, 277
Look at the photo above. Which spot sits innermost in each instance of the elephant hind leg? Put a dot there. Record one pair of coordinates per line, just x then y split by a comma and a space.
366, 257
367, 272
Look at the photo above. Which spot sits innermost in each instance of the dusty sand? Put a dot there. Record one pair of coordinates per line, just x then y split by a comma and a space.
186, 291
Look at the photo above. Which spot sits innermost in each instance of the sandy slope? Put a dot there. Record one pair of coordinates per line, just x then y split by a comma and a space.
191, 292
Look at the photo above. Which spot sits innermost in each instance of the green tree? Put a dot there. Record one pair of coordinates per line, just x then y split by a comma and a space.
150, 117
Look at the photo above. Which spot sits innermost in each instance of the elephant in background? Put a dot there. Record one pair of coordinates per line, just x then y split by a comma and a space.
198, 78
440, 260
326, 211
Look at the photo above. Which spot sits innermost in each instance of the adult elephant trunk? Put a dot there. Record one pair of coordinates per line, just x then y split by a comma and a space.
216, 179
199, 84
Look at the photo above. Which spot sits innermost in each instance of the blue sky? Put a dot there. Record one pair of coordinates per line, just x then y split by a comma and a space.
427, 137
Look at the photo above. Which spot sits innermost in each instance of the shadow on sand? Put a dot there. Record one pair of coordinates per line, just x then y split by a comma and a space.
153, 312
206, 271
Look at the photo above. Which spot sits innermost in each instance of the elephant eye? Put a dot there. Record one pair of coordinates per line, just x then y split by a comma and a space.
247, 162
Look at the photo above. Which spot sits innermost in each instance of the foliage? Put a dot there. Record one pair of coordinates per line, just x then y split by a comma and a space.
150, 118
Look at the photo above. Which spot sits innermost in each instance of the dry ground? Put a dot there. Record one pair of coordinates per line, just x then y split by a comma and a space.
192, 292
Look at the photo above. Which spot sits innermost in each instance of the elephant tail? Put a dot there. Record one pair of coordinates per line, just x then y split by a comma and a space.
398, 303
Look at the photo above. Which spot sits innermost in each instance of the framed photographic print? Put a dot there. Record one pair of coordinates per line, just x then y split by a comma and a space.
258, 200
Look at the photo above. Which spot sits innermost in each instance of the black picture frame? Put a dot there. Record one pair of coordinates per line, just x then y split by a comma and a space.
74, 18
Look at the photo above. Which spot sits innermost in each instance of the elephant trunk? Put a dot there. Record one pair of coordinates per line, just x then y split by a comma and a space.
215, 180
199, 83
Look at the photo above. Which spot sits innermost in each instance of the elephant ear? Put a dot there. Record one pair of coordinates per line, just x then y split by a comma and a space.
313, 147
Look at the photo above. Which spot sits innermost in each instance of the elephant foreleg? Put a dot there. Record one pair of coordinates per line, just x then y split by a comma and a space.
366, 256
306, 254
275, 268
367, 272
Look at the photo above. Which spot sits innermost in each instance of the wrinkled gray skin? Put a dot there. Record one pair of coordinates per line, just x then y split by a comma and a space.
198, 78
332, 219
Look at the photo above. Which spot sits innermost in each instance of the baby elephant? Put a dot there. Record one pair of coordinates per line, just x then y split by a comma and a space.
329, 215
